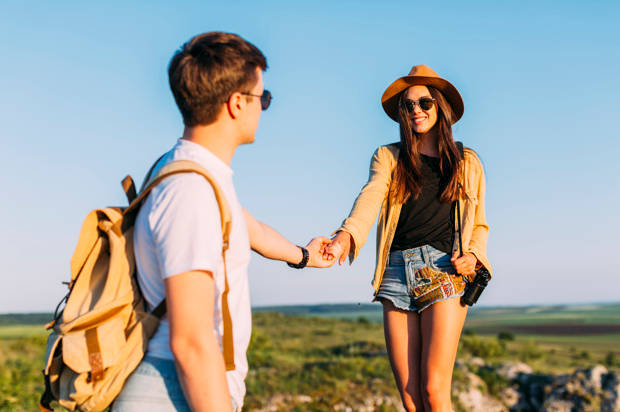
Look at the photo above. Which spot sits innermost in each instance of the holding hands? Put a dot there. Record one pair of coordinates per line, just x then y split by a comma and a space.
323, 252
316, 249
339, 247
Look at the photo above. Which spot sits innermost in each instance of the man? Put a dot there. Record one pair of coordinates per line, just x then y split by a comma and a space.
217, 82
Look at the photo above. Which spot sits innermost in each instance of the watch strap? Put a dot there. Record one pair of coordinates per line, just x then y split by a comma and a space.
304, 259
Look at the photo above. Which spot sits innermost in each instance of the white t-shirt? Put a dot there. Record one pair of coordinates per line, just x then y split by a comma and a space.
178, 229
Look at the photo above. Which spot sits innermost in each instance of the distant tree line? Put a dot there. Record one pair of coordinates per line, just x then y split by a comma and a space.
25, 318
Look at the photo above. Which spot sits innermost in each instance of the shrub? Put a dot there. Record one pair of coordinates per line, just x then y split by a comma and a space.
363, 320
531, 351
585, 355
478, 347
458, 375
611, 360
506, 336
493, 380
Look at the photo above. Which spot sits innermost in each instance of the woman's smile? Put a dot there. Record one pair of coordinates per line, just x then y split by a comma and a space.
421, 120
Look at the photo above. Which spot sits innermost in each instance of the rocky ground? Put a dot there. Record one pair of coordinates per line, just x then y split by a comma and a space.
505, 387
514, 387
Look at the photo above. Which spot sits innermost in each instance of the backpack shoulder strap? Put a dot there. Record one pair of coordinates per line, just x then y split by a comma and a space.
187, 166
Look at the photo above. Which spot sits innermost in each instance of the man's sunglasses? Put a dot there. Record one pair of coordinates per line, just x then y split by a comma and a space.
265, 98
425, 103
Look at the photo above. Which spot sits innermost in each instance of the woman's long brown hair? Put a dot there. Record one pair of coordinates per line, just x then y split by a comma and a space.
408, 176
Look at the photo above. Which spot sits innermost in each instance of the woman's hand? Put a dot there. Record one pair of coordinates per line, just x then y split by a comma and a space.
465, 265
318, 258
340, 247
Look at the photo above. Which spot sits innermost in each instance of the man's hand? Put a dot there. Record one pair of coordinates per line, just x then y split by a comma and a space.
340, 247
318, 257
465, 265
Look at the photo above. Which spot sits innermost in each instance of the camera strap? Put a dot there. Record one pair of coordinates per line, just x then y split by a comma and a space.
459, 222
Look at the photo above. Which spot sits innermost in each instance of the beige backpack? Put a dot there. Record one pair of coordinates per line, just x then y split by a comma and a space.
102, 333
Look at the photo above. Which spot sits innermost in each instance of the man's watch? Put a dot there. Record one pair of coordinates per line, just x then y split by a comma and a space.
304, 260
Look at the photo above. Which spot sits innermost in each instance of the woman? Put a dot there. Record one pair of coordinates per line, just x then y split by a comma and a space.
420, 272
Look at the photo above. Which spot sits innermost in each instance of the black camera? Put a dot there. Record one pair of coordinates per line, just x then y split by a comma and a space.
475, 288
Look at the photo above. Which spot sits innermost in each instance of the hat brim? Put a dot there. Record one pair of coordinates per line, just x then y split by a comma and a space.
391, 96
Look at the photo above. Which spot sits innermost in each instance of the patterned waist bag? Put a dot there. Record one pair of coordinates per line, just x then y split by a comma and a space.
431, 285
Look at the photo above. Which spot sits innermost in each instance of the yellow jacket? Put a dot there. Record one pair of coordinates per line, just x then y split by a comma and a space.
378, 193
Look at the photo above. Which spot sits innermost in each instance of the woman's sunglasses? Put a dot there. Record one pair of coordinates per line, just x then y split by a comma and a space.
425, 103
265, 98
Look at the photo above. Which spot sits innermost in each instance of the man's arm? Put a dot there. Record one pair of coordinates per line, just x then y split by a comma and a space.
190, 298
267, 242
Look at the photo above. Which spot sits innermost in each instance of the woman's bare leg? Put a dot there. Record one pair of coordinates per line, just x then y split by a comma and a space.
402, 339
441, 325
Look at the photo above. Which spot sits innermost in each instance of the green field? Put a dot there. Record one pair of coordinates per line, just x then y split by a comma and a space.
567, 336
21, 331
328, 357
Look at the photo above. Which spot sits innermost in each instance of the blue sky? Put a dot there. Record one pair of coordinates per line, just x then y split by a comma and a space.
85, 101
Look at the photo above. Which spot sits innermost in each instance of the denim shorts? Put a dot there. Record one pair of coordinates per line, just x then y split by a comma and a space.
399, 276
154, 386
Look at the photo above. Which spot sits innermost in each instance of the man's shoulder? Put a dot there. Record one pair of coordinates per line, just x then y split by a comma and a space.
189, 182
183, 193
191, 152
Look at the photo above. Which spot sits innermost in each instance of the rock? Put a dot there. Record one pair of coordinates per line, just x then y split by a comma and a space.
475, 380
582, 391
515, 400
273, 403
610, 401
472, 399
585, 390
510, 396
302, 399
558, 406
535, 388
477, 362
595, 377
371, 405
511, 371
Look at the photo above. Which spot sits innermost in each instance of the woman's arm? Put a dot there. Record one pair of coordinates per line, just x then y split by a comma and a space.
480, 231
353, 233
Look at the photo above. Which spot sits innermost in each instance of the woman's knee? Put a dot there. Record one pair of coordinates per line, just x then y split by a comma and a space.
436, 395
412, 399
410, 405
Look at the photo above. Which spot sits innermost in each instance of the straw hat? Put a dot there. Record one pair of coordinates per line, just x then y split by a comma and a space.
421, 75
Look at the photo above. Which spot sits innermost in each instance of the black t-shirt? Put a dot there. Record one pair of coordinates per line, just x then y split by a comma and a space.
425, 220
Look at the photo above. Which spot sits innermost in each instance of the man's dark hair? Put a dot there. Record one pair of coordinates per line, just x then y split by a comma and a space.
207, 70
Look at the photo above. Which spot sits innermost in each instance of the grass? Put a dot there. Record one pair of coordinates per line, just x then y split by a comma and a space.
21, 381
315, 363
21, 331
323, 361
